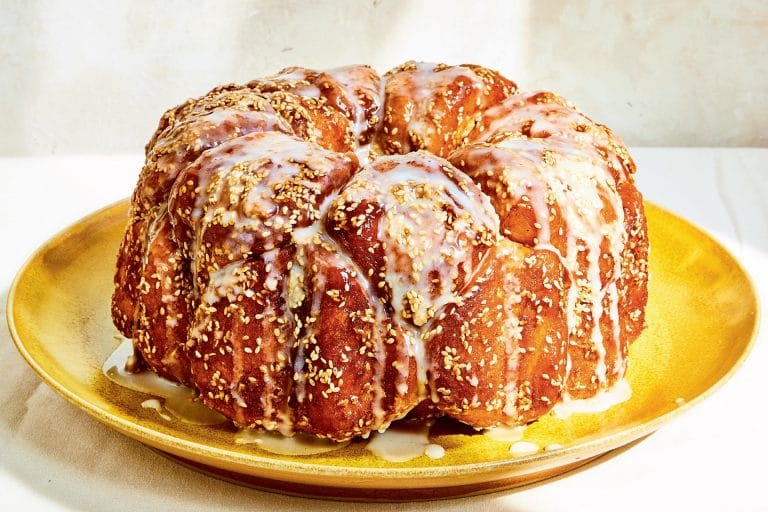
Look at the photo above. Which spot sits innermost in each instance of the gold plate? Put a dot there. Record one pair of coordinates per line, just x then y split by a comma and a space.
702, 319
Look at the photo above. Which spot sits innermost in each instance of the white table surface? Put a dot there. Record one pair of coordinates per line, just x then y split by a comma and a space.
55, 457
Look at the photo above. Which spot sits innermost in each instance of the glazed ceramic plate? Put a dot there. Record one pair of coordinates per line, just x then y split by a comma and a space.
702, 318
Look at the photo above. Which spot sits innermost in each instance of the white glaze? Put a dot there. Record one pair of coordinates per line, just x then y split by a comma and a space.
179, 400
420, 245
420, 84
299, 77
224, 200
155, 405
224, 283
619, 393
506, 433
296, 445
521, 448
353, 79
267, 117
402, 443
575, 183
415, 229
173, 151
417, 349
513, 333
434, 451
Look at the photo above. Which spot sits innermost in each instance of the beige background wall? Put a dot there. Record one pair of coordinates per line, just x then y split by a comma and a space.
83, 76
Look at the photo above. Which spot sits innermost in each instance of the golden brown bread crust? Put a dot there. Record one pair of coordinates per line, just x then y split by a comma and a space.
433, 106
163, 305
300, 286
352, 91
240, 342
183, 134
498, 354
417, 228
523, 150
356, 373
248, 195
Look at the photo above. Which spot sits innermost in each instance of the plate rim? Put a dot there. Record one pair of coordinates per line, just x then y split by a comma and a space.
500, 469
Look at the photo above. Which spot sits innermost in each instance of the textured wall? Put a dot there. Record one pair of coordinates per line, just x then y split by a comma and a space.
94, 76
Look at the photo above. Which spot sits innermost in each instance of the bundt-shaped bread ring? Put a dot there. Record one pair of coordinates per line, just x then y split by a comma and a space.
328, 251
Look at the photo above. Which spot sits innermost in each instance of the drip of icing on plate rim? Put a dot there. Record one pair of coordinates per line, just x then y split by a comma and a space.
298, 445
602, 401
504, 433
179, 400
521, 448
401, 443
155, 405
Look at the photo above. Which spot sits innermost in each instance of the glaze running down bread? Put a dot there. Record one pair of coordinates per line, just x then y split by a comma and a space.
326, 252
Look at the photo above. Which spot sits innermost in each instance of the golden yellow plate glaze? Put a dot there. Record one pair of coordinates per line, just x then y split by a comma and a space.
702, 317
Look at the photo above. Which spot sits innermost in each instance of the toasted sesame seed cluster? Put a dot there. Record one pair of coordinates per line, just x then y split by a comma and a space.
326, 252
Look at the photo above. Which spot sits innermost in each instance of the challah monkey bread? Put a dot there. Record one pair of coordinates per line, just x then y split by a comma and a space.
326, 252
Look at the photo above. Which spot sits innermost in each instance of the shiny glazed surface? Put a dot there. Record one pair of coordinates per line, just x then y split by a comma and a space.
701, 319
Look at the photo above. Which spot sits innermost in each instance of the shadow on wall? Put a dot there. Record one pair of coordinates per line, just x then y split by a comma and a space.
659, 73
84, 77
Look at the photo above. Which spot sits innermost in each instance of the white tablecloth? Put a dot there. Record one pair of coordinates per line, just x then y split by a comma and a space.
55, 457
